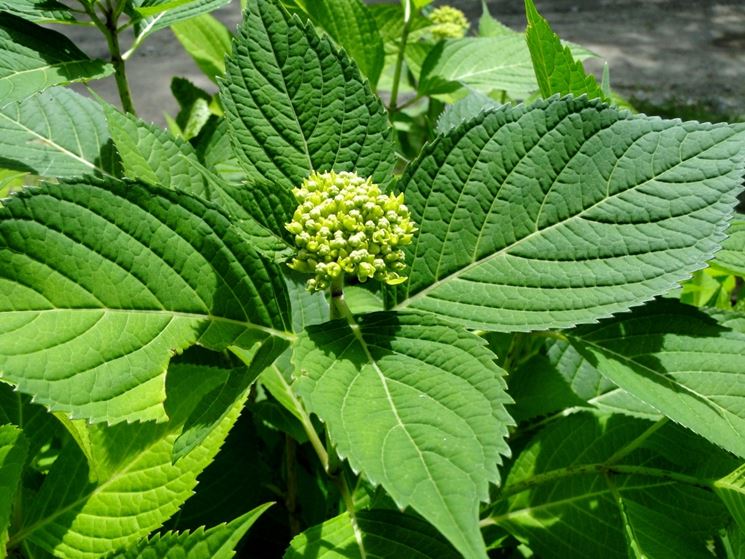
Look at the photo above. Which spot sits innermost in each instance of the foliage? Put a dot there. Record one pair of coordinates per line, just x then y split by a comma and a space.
524, 337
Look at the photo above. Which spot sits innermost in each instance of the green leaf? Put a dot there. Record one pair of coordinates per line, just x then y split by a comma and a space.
294, 103
464, 110
678, 360
589, 487
56, 133
351, 25
33, 58
384, 533
417, 406
159, 14
39, 11
135, 272
153, 156
13, 450
591, 386
555, 68
196, 109
216, 404
731, 489
207, 41
215, 151
85, 510
563, 212
490, 27
732, 256
217, 542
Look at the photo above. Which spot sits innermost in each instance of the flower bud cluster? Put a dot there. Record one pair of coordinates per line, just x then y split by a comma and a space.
345, 225
448, 23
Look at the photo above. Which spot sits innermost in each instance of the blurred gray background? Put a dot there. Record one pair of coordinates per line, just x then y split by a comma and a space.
683, 57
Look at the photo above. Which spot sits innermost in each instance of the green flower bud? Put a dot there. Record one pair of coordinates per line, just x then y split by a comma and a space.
344, 224
448, 23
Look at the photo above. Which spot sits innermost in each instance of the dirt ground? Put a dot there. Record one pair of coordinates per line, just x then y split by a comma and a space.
682, 57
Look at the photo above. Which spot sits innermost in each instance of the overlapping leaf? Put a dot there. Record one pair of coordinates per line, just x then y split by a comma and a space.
678, 360
207, 41
589, 487
295, 103
353, 27
100, 285
731, 489
159, 14
127, 486
33, 58
217, 542
56, 133
383, 533
13, 449
564, 212
39, 11
732, 256
417, 406
555, 68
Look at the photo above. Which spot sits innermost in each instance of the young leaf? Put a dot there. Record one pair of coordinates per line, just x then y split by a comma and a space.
678, 360
490, 27
591, 487
86, 510
101, 284
417, 406
564, 212
39, 11
215, 151
384, 533
207, 41
13, 450
555, 68
56, 133
33, 58
351, 25
196, 108
295, 103
217, 542
463, 110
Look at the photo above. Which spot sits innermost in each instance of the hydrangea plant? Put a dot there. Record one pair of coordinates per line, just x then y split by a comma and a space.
492, 356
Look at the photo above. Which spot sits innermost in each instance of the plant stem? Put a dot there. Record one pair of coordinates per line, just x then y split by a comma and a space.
346, 495
109, 28
400, 58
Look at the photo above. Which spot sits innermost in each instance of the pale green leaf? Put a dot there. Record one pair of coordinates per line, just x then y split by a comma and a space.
678, 360
13, 450
33, 58
471, 62
39, 11
351, 25
555, 68
731, 489
99, 285
131, 487
564, 212
588, 487
490, 27
217, 542
384, 533
56, 133
214, 150
417, 406
207, 41
159, 14
732, 256
196, 108
295, 103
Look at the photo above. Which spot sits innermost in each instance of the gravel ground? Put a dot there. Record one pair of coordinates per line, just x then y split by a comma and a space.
682, 57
